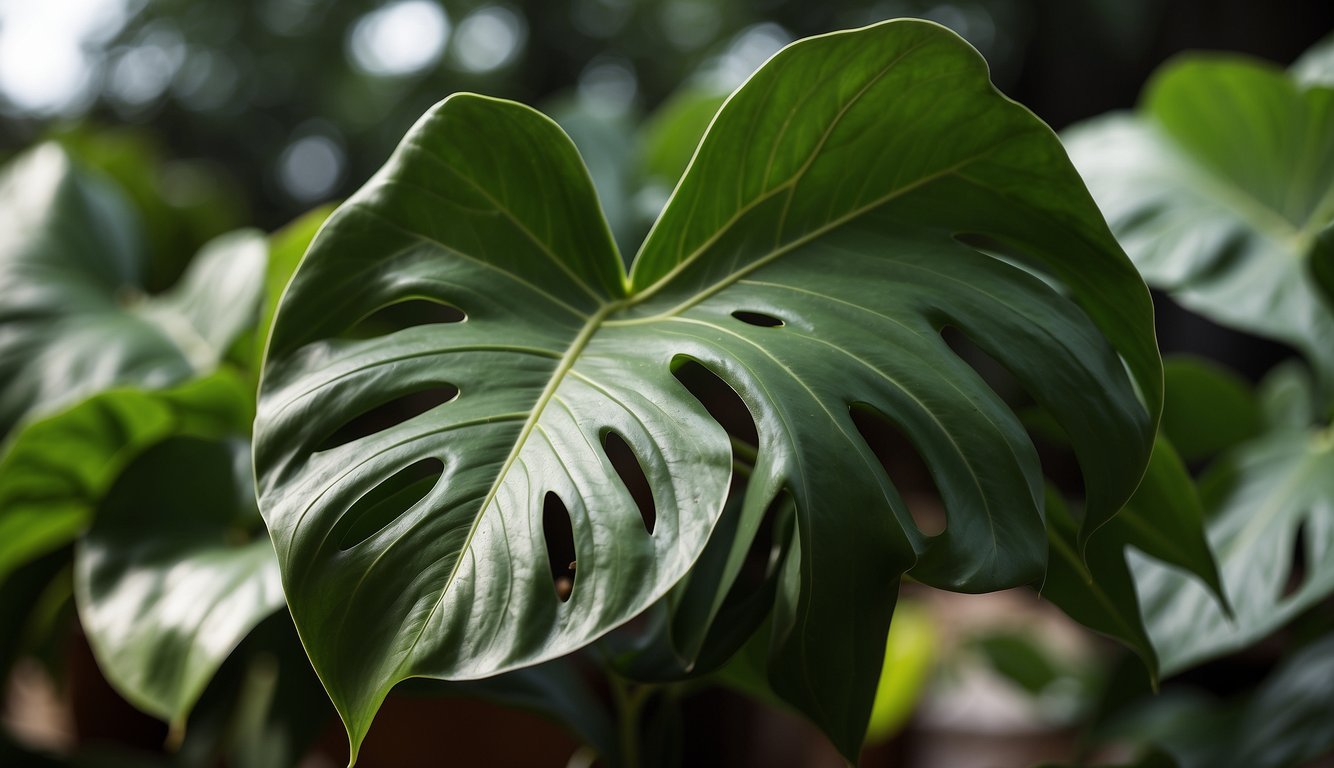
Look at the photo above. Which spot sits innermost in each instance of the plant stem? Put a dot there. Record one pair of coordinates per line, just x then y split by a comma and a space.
630, 698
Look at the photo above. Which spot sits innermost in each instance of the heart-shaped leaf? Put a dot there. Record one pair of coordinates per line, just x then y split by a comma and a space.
1219, 188
808, 258
170, 578
75, 321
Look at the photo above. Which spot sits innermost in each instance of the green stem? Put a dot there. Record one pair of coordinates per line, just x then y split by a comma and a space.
630, 699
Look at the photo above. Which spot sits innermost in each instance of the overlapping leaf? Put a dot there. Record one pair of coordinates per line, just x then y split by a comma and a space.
74, 320
171, 577
1220, 187
54, 472
808, 259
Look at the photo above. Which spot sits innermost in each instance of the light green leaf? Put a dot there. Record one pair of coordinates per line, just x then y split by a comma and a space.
807, 259
1256, 500
171, 576
1219, 187
74, 320
55, 470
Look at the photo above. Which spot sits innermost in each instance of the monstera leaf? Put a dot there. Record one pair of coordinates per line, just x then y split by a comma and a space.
74, 320
1220, 187
415, 481
172, 576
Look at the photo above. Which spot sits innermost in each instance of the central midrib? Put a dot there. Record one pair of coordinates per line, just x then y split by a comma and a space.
558, 375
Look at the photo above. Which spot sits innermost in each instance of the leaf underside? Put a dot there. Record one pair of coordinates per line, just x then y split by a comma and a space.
807, 258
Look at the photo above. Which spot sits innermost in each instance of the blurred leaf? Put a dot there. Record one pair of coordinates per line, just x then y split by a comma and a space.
1218, 188
1018, 658
1206, 408
54, 472
1257, 499
21, 594
1287, 722
74, 320
1284, 723
910, 653
669, 137
604, 137
1287, 397
286, 248
181, 204
173, 574
1316, 66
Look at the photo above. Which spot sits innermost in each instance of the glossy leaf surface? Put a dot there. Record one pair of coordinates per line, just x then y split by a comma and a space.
170, 578
807, 258
1219, 188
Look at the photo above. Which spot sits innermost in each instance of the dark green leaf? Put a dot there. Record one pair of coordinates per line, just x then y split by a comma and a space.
807, 259
1097, 590
1206, 409
75, 320
1218, 188
171, 576
55, 470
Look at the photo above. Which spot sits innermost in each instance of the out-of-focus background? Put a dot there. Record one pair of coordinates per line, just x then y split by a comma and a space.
293, 102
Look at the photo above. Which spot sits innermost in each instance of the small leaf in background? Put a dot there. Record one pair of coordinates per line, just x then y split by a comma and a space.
55, 470
1206, 408
910, 655
174, 574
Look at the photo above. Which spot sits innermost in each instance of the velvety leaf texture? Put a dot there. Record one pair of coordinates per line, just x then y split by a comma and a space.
807, 258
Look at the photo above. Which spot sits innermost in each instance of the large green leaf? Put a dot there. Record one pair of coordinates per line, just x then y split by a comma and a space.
1219, 187
74, 319
54, 471
1257, 499
808, 258
171, 576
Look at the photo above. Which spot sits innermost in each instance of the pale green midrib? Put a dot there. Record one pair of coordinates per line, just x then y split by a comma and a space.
788, 185
1261, 216
1075, 561
576, 348
790, 246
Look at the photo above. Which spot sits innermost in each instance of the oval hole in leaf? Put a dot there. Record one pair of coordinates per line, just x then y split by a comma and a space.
404, 314
906, 468
558, 532
627, 467
387, 502
762, 559
718, 398
1297, 570
757, 318
390, 414
1058, 460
